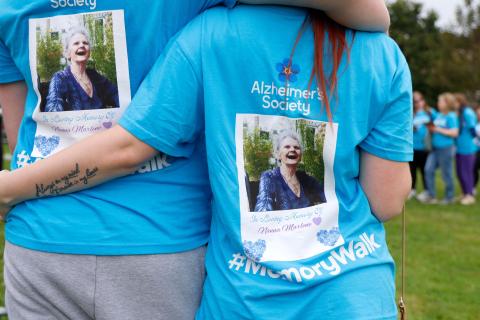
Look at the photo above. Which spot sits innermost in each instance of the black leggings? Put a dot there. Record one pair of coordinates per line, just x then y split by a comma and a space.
476, 170
419, 160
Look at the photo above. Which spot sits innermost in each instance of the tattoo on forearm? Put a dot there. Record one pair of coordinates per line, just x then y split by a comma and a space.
71, 179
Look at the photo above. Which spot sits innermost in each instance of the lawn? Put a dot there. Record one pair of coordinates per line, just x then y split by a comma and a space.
443, 261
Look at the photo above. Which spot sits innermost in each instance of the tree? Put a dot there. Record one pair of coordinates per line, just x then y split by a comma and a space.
49, 55
103, 50
439, 60
312, 153
257, 152
420, 40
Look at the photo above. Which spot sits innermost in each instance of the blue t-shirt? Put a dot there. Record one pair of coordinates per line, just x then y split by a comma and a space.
477, 137
465, 143
324, 261
446, 121
160, 209
420, 131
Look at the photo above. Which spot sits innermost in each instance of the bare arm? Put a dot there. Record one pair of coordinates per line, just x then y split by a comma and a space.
452, 133
12, 100
368, 15
386, 184
117, 153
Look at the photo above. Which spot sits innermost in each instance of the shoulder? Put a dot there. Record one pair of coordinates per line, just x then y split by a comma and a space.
94, 75
452, 117
270, 174
61, 75
469, 112
305, 177
379, 52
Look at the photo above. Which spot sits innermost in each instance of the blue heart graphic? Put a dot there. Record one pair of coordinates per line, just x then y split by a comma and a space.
328, 237
46, 145
254, 250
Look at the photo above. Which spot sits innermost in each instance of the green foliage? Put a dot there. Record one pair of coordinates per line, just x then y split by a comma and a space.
440, 60
49, 55
312, 154
419, 38
257, 152
103, 50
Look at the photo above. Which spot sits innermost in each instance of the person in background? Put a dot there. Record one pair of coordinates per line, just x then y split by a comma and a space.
421, 117
444, 130
477, 143
466, 148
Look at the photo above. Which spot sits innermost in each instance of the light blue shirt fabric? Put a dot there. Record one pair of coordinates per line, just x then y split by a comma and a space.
236, 61
464, 142
477, 137
161, 210
420, 131
446, 121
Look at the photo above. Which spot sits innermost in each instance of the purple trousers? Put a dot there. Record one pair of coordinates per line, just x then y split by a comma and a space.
465, 164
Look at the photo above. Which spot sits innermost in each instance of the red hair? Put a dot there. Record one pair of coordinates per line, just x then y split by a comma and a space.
321, 26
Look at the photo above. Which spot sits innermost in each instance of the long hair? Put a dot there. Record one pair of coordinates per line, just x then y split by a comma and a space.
450, 100
463, 104
323, 26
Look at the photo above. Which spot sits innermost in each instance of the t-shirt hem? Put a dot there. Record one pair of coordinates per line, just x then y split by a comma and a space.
388, 155
466, 152
10, 77
101, 249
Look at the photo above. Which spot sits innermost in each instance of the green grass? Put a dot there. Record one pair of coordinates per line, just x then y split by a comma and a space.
443, 260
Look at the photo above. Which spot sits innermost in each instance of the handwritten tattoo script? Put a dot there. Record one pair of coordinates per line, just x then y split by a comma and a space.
71, 179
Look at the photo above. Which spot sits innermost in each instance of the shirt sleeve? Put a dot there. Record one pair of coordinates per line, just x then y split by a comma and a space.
8, 70
471, 118
453, 121
167, 110
391, 137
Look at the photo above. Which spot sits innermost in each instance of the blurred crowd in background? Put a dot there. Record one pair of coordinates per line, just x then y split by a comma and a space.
445, 137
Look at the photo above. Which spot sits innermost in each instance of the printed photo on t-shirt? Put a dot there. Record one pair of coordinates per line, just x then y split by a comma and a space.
80, 73
287, 199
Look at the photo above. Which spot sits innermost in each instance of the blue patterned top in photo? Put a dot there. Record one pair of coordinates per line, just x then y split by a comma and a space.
446, 121
195, 94
66, 94
465, 143
420, 131
275, 194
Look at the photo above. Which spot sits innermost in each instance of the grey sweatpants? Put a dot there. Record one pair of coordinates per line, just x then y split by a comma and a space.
41, 286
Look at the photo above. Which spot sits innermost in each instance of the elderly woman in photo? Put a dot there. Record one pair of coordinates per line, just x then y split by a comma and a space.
285, 188
77, 88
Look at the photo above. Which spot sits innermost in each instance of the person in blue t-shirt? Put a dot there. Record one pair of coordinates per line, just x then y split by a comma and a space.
318, 262
112, 251
421, 117
285, 188
466, 149
444, 131
78, 87
477, 144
